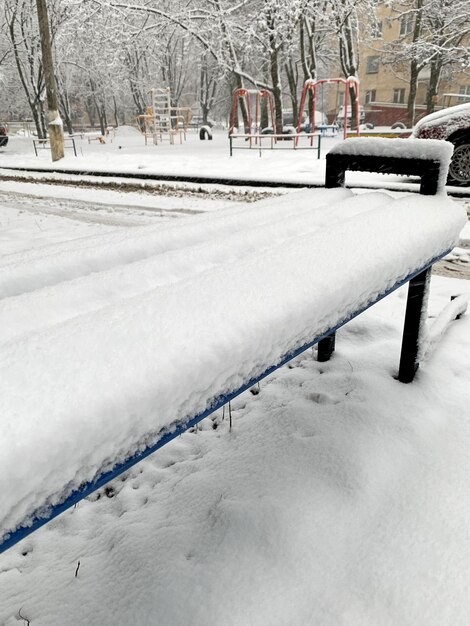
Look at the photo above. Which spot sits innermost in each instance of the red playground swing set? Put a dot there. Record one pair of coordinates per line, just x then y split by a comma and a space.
252, 124
253, 99
311, 86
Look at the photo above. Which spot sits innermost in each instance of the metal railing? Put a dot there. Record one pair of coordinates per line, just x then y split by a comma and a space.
45, 143
275, 141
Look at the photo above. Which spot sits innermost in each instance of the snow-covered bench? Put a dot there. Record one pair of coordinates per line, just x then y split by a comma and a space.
114, 345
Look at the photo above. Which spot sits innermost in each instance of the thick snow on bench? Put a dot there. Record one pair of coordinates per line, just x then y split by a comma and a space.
433, 149
108, 340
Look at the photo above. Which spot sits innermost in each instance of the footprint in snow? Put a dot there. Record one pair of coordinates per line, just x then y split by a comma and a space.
322, 398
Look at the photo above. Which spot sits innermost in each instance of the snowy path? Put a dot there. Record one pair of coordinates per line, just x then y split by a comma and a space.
89, 212
126, 200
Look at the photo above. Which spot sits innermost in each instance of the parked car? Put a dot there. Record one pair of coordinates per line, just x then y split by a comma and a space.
197, 121
288, 118
451, 124
340, 116
305, 127
3, 135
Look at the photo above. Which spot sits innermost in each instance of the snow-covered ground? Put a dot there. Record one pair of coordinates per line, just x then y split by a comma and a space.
125, 152
339, 496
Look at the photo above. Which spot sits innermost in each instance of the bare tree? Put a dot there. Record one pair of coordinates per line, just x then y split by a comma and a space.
55, 128
433, 38
23, 32
347, 29
208, 84
447, 27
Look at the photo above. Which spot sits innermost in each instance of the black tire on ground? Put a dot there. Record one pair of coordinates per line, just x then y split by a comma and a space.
459, 169
398, 125
205, 132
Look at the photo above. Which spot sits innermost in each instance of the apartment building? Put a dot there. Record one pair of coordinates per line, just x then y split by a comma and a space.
384, 84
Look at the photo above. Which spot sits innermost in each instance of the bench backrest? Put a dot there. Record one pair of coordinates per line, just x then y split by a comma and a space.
427, 158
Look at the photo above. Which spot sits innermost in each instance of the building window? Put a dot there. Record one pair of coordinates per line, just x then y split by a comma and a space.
372, 65
399, 96
464, 90
376, 30
406, 24
370, 96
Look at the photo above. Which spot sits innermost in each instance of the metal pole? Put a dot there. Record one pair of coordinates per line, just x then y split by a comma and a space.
56, 133
416, 308
326, 347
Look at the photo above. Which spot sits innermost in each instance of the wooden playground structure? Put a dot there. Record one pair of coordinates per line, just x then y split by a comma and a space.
163, 121
251, 101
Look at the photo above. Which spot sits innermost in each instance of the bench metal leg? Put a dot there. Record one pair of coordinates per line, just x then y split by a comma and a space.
335, 175
416, 308
326, 347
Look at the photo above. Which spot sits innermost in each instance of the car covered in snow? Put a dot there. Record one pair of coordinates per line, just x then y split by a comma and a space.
197, 121
340, 116
3, 135
451, 124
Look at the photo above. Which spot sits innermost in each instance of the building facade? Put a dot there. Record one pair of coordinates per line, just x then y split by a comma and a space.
384, 78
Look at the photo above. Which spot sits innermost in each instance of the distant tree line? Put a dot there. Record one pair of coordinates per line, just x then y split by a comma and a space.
110, 53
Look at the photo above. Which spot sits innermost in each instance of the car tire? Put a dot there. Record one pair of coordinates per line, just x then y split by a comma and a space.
459, 169
205, 133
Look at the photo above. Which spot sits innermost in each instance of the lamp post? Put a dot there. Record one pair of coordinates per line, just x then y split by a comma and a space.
56, 132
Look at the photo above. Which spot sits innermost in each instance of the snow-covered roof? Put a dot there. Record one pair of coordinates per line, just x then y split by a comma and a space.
108, 341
